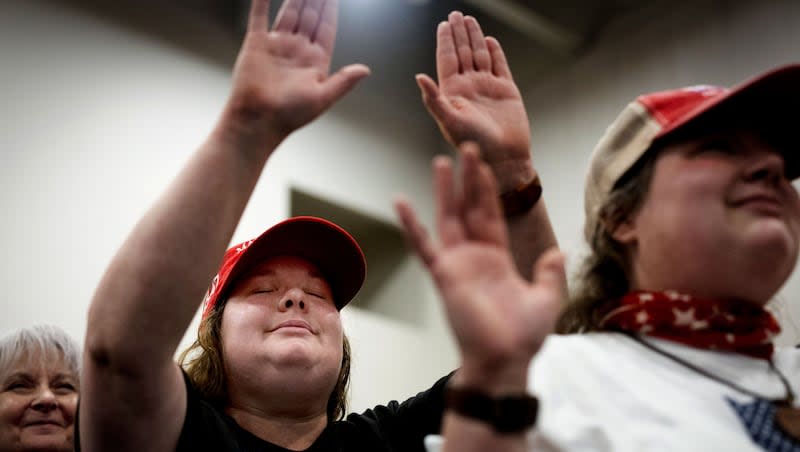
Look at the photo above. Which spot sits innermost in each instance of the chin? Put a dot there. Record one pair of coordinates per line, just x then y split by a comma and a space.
773, 242
47, 444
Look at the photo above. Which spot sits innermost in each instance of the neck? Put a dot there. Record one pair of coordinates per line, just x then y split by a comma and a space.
286, 430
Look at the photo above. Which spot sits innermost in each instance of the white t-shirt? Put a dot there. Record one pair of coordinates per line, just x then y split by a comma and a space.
606, 392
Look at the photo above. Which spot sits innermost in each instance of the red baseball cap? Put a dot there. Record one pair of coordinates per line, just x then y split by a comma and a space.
332, 249
770, 100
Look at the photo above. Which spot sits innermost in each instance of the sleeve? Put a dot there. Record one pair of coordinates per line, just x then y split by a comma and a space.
404, 426
204, 427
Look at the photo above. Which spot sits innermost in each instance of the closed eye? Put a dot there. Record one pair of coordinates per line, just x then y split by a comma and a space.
65, 386
19, 385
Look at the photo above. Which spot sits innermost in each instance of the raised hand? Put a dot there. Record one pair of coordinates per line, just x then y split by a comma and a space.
476, 98
281, 80
499, 318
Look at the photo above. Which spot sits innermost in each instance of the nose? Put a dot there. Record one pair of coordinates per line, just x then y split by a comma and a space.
765, 166
44, 401
293, 299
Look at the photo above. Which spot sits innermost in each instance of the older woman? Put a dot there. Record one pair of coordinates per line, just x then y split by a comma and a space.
39, 383
693, 226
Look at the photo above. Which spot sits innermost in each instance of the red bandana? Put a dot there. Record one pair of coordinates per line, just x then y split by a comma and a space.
738, 327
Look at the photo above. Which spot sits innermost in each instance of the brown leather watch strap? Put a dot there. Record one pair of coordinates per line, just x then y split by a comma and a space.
522, 198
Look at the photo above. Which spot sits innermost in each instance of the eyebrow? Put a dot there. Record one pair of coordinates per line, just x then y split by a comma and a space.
16, 376
28, 376
64, 376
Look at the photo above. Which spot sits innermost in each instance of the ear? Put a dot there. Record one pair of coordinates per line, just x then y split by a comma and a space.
626, 232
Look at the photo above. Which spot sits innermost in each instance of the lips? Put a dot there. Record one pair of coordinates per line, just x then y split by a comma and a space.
42, 422
762, 202
294, 324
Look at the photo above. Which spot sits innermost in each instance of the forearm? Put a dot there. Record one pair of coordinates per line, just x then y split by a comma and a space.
153, 286
530, 233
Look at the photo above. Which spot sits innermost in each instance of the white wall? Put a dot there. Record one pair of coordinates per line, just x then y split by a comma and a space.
95, 120
714, 42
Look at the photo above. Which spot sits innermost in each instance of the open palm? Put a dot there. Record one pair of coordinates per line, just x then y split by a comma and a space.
476, 98
495, 314
282, 74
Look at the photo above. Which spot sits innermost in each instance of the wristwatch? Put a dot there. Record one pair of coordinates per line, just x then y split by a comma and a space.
506, 414
522, 198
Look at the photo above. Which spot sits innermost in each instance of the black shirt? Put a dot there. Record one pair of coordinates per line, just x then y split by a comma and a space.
391, 428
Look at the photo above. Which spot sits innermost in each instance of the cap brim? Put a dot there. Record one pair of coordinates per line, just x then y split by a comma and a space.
769, 99
332, 249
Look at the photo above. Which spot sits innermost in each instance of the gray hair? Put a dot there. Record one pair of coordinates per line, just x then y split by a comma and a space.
47, 343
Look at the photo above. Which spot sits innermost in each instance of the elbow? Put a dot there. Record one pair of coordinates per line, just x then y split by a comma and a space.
108, 350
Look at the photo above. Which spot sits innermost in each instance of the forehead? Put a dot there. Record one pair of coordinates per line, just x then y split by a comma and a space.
283, 266
38, 365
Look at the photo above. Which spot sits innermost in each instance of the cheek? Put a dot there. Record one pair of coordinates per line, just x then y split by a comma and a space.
11, 409
794, 211
68, 405
333, 322
241, 318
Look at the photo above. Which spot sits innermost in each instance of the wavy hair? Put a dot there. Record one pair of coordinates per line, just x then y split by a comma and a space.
603, 276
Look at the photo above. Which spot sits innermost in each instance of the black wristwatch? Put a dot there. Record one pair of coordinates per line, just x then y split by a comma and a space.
506, 414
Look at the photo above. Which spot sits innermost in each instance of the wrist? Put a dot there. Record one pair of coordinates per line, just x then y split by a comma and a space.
249, 134
511, 174
509, 377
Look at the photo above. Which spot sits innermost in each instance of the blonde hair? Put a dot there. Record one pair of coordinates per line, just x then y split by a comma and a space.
603, 276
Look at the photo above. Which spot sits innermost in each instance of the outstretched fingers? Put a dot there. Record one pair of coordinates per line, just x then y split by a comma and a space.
461, 41
325, 34
258, 20
500, 66
309, 18
446, 57
448, 203
288, 16
416, 234
482, 215
480, 52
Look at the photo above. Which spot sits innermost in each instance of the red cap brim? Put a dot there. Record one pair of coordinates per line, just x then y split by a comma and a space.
332, 249
771, 99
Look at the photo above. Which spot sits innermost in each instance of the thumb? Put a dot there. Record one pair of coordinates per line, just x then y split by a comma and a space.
430, 96
343, 81
549, 272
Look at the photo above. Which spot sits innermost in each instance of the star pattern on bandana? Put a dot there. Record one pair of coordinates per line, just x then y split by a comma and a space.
735, 326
